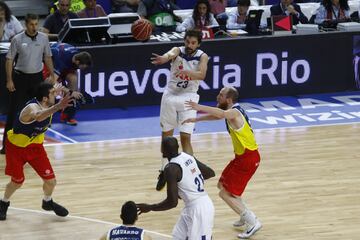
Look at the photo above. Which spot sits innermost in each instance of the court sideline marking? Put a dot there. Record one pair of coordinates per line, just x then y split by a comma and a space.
82, 218
199, 134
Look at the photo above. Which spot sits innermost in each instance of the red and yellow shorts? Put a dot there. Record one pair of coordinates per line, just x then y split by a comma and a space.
239, 171
34, 154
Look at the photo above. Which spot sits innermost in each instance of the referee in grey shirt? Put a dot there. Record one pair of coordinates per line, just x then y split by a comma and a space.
28, 50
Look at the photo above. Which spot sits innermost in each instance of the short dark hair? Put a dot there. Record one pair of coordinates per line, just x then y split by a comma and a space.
84, 58
31, 16
43, 90
233, 94
243, 3
194, 33
7, 10
129, 213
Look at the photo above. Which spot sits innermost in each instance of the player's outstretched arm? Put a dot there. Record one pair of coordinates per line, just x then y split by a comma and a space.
214, 111
205, 170
172, 175
201, 118
33, 112
161, 59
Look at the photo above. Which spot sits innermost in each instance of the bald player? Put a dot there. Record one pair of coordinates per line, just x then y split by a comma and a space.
239, 171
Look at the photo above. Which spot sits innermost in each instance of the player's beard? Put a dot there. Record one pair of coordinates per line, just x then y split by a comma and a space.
222, 106
189, 51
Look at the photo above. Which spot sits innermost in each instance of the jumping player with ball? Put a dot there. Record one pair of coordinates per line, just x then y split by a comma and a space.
188, 68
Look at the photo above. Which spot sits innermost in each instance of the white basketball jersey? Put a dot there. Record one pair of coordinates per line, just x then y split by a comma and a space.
180, 83
191, 186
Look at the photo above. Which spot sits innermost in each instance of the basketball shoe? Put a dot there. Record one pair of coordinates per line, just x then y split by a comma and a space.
3, 209
251, 230
53, 206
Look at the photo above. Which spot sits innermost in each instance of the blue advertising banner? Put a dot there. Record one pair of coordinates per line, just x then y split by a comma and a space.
257, 67
266, 66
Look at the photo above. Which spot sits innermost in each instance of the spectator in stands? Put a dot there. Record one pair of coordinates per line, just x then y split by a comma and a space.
288, 8
123, 6
160, 13
201, 17
9, 25
218, 8
91, 10
237, 18
75, 6
56, 21
333, 11
128, 230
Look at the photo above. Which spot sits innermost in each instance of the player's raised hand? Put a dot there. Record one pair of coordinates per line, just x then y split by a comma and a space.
76, 95
143, 208
158, 59
190, 105
189, 120
65, 102
60, 90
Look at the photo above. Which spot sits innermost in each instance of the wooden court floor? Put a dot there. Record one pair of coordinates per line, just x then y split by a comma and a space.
307, 186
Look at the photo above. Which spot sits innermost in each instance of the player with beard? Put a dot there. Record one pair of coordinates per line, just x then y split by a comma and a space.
188, 68
239, 171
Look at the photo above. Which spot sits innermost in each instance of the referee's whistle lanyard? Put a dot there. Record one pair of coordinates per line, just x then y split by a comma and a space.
87, 13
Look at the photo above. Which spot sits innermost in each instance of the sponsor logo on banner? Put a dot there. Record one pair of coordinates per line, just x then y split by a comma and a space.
118, 82
306, 111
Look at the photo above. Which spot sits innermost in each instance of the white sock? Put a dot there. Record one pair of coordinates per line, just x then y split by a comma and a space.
5, 200
249, 217
241, 204
47, 198
164, 162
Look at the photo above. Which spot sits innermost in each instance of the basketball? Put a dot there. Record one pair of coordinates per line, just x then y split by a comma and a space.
141, 29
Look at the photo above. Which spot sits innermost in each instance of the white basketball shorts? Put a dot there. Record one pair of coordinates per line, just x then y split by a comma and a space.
196, 221
173, 112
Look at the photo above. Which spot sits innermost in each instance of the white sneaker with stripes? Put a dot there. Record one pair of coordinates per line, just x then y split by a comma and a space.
251, 230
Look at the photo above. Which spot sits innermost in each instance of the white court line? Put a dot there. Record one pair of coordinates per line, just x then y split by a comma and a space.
81, 218
62, 135
201, 134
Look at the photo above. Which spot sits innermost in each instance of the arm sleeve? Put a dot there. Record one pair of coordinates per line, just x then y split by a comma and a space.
231, 22
188, 23
320, 15
48, 23
17, 25
347, 13
213, 21
47, 50
13, 49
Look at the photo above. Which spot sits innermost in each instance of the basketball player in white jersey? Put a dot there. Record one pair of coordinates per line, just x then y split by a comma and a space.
188, 68
185, 177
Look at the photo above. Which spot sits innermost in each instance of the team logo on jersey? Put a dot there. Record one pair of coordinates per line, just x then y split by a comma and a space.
180, 75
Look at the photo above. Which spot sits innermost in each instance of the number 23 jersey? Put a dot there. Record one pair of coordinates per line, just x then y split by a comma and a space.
181, 83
